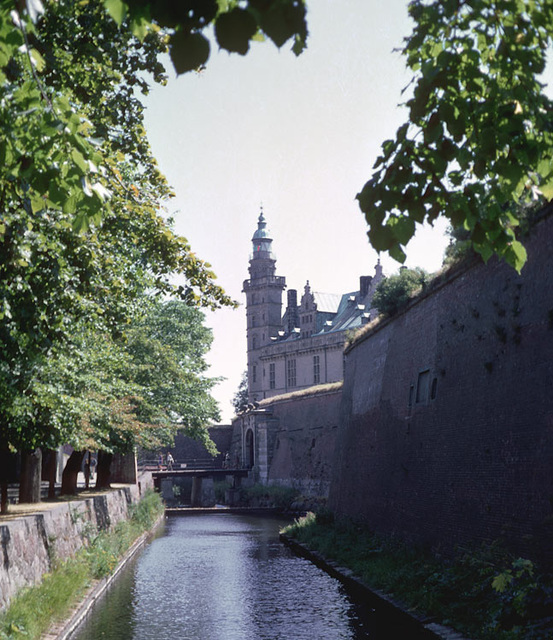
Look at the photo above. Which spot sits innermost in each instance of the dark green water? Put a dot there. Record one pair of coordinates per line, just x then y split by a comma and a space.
227, 577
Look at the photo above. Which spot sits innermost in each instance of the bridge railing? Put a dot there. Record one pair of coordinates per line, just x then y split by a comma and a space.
188, 463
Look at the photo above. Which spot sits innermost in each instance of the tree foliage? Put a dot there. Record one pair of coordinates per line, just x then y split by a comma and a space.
479, 135
235, 24
111, 394
393, 293
240, 398
82, 240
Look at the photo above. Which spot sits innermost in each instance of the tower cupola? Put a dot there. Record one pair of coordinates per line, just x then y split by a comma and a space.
262, 241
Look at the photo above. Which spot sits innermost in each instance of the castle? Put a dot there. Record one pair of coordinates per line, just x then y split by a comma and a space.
303, 346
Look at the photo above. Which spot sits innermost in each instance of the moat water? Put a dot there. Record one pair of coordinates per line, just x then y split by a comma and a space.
228, 577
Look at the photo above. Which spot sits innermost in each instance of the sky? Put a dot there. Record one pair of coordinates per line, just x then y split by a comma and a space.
297, 135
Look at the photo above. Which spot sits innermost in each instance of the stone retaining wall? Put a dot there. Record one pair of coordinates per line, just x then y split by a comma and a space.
29, 545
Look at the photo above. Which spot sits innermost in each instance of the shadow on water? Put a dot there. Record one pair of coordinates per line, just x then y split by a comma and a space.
228, 577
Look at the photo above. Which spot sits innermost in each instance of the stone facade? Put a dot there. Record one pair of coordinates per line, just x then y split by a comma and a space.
446, 428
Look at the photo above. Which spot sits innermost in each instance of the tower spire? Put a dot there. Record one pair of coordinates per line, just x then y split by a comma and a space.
261, 240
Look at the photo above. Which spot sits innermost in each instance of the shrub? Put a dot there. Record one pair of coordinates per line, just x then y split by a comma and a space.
394, 293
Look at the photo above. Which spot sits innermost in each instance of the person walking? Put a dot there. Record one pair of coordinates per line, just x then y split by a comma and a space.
170, 462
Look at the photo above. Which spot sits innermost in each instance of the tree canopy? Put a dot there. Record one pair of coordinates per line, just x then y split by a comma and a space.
82, 235
478, 142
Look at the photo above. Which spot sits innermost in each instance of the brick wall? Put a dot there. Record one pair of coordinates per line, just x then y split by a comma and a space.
447, 412
294, 441
304, 442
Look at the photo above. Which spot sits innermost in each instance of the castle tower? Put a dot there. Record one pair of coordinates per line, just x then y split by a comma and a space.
263, 306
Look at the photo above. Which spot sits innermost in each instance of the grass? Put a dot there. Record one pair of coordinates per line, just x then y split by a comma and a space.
485, 593
35, 609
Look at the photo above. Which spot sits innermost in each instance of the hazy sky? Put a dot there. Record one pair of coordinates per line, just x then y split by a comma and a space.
300, 136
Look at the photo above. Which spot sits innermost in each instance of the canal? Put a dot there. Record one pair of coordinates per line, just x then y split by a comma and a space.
228, 577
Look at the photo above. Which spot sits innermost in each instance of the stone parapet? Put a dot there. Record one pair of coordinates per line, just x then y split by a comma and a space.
30, 544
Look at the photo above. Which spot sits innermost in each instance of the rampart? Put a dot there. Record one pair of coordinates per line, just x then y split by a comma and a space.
293, 437
446, 433
305, 440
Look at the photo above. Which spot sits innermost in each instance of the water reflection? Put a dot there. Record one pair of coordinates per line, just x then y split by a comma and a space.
227, 577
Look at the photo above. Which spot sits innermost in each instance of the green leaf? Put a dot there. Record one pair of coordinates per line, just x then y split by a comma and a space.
234, 30
79, 160
402, 227
547, 190
545, 167
516, 255
70, 203
188, 51
37, 202
40, 63
502, 581
433, 129
117, 9
283, 20
397, 253
80, 223
140, 27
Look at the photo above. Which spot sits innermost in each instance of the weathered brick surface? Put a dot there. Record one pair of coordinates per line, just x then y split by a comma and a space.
476, 462
30, 544
303, 442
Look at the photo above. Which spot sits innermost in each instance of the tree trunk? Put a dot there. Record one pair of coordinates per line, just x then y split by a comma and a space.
51, 472
7, 473
70, 473
103, 470
4, 497
31, 471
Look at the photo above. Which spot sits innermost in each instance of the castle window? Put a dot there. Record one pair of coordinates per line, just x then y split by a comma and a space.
291, 373
254, 373
254, 342
423, 387
272, 376
316, 370
433, 389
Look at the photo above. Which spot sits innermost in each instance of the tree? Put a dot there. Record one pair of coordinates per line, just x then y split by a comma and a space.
240, 398
132, 392
167, 347
72, 136
479, 137
80, 231
393, 293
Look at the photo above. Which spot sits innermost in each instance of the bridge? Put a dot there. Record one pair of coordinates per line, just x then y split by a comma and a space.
197, 470
200, 473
